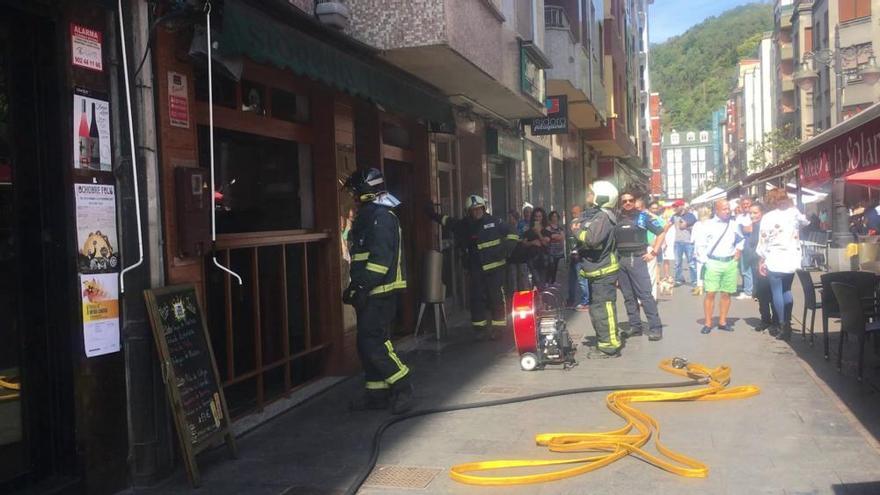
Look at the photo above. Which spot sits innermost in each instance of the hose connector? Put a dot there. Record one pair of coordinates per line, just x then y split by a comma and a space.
679, 363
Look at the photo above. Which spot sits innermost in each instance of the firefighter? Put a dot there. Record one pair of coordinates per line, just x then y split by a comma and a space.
596, 247
486, 241
377, 276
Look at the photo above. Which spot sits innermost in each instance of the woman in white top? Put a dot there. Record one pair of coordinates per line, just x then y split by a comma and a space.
779, 248
704, 214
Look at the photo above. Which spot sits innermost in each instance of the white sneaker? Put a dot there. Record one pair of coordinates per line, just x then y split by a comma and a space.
743, 296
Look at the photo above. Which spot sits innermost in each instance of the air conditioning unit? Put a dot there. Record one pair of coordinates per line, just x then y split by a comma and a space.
333, 13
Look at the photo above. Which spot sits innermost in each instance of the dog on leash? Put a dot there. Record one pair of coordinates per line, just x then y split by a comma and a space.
666, 286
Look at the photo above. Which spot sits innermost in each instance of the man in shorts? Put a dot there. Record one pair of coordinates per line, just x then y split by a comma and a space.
719, 249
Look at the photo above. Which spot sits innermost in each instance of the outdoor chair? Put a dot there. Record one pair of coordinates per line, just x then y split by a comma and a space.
853, 320
814, 250
864, 282
810, 302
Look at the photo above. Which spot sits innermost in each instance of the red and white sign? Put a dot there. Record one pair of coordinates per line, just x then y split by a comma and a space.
178, 100
855, 150
85, 46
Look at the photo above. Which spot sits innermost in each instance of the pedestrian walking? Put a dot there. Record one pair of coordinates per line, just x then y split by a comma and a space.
684, 245
761, 287
780, 250
744, 220
704, 216
487, 242
720, 250
556, 248
599, 265
631, 238
377, 276
578, 286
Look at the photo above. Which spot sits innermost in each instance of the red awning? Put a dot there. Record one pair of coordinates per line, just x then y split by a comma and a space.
870, 178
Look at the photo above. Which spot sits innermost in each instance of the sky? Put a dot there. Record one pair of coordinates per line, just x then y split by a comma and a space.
673, 17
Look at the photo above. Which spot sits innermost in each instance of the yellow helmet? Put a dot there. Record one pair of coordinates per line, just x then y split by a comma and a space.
605, 193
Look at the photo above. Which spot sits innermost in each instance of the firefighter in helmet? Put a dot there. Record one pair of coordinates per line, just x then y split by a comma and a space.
596, 247
377, 275
486, 241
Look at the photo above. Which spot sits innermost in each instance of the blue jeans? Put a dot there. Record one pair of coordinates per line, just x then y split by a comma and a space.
685, 250
578, 287
748, 281
780, 292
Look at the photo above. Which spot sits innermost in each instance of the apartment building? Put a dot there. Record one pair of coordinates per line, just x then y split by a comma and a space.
783, 49
656, 145
689, 162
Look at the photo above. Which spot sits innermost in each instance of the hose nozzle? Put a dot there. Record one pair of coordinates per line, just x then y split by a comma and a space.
679, 363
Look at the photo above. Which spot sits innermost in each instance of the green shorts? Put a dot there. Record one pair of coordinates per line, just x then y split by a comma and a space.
720, 276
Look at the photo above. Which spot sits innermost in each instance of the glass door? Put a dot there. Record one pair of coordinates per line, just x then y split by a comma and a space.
12, 453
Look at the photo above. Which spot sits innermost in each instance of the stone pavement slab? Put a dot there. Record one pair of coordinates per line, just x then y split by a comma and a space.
809, 431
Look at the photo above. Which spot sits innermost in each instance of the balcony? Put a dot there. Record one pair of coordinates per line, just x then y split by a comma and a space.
466, 49
786, 51
611, 139
787, 84
571, 74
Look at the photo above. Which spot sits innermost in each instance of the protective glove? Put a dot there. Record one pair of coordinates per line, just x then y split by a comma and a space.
355, 296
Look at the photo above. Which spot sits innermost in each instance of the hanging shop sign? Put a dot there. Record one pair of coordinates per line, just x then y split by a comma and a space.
85, 46
178, 100
556, 121
502, 143
100, 311
857, 149
91, 131
96, 228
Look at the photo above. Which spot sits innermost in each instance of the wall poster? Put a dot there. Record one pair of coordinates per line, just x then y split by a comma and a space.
100, 309
85, 44
91, 131
178, 100
96, 228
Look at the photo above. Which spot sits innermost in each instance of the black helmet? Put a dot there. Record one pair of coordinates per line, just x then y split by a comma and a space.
365, 184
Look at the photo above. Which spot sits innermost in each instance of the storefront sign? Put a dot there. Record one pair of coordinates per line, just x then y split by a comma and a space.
100, 310
499, 142
556, 121
91, 131
86, 47
178, 100
96, 228
858, 149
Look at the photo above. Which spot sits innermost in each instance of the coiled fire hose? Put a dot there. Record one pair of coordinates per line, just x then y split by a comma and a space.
9, 384
612, 445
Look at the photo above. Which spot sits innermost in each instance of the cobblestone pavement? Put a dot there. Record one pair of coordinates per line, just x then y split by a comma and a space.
812, 430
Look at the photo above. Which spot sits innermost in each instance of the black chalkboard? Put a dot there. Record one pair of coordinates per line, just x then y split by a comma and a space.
189, 371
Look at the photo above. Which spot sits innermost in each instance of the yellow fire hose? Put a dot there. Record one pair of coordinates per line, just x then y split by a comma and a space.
9, 385
611, 446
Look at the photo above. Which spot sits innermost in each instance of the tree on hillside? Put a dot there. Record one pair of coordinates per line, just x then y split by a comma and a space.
695, 72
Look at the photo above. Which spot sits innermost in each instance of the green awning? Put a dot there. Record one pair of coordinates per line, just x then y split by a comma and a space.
249, 32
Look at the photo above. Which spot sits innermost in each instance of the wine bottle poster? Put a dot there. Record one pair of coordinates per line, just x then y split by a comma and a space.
91, 131
96, 228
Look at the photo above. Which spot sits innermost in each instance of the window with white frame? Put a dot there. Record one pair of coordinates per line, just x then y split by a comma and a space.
674, 175
691, 137
698, 169
673, 138
704, 136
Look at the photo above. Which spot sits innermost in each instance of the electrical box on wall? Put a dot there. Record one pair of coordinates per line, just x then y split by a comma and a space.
193, 208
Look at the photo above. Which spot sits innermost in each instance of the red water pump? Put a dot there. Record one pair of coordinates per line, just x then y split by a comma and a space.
539, 330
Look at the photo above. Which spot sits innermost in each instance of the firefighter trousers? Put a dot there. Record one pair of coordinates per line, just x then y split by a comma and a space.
382, 367
603, 312
487, 300
635, 284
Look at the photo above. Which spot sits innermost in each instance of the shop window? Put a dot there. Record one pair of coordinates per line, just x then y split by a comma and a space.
253, 98
262, 184
224, 88
289, 106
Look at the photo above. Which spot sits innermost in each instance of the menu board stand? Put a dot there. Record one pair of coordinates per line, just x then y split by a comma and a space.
189, 371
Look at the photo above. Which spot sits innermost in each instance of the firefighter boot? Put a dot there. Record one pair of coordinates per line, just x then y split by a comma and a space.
402, 399
372, 400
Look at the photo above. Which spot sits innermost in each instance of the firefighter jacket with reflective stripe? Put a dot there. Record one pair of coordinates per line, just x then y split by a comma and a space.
377, 261
486, 242
595, 243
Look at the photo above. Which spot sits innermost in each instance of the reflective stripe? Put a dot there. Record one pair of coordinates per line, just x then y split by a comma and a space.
377, 385
360, 256
582, 236
488, 244
494, 265
512, 237
373, 267
612, 324
499, 323
613, 267
481, 323
444, 219
399, 281
403, 369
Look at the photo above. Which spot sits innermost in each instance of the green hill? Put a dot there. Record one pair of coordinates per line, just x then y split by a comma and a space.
694, 72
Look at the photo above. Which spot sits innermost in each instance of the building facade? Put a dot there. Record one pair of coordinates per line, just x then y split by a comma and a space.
689, 164
656, 145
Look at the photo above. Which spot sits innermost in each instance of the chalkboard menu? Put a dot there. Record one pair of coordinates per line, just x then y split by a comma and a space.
189, 371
